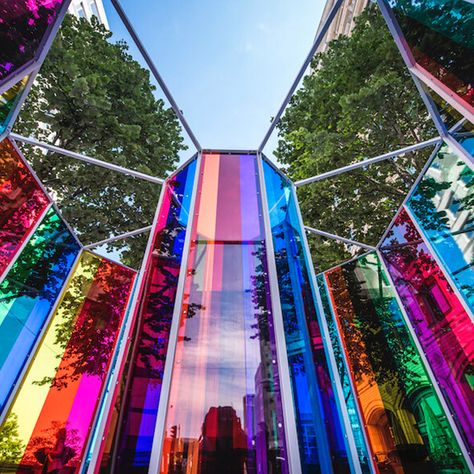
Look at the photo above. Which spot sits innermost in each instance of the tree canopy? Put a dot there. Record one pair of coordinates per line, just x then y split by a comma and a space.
93, 97
358, 102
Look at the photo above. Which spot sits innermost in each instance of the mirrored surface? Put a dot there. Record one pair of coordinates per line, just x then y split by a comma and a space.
8, 101
406, 426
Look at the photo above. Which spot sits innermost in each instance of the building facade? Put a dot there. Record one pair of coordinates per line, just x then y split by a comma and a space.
88, 9
343, 21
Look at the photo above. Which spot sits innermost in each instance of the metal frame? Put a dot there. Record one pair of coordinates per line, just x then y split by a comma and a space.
337, 237
87, 159
155, 72
159, 433
291, 432
427, 366
143, 230
317, 41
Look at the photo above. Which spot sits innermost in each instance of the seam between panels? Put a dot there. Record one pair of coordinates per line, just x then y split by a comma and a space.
123, 345
289, 417
159, 431
427, 366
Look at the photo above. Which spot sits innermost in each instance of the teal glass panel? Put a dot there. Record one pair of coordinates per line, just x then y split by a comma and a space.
28, 294
405, 423
442, 205
356, 425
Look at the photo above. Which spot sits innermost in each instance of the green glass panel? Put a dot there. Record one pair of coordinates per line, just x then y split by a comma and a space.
8, 101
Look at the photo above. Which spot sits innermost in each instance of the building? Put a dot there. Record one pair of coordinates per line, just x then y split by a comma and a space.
343, 21
88, 9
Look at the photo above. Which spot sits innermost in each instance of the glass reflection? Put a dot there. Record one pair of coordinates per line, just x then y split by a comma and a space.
22, 203
321, 438
23, 27
439, 34
356, 424
8, 101
405, 423
443, 207
28, 293
225, 413
130, 451
54, 408
443, 327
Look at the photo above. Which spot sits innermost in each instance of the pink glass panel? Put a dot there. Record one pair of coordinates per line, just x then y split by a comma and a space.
22, 203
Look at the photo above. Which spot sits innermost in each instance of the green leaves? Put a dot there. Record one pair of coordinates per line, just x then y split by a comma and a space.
93, 97
358, 102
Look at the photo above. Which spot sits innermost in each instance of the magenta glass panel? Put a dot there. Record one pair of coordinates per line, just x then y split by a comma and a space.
24, 25
224, 412
443, 327
22, 203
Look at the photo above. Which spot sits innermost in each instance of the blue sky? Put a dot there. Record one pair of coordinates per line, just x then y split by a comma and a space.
228, 63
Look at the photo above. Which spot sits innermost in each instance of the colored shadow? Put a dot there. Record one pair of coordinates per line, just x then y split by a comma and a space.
224, 412
443, 207
24, 25
443, 327
320, 432
8, 101
22, 202
439, 34
50, 420
406, 426
28, 294
129, 451
351, 404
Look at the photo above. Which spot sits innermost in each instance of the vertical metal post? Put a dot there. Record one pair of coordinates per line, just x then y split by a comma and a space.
431, 376
124, 344
159, 433
349, 435
289, 415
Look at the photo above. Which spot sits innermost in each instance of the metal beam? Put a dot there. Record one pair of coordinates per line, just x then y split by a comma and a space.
119, 237
371, 161
337, 237
86, 159
317, 41
155, 72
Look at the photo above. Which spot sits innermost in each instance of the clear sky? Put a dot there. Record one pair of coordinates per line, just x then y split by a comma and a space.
228, 63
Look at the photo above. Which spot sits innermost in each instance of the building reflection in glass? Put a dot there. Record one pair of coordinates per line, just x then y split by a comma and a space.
405, 423
443, 206
49, 422
130, 436
443, 327
439, 34
225, 405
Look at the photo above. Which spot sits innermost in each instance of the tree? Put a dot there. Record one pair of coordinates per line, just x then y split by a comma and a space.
358, 102
11, 445
92, 97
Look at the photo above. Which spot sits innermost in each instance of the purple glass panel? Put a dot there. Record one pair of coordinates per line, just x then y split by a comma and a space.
443, 327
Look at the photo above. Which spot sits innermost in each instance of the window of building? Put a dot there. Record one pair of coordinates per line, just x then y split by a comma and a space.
94, 9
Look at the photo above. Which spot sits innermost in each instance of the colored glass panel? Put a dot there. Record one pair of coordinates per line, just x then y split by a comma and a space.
443, 207
224, 412
138, 407
54, 408
406, 426
22, 202
320, 432
23, 28
443, 327
28, 293
356, 424
8, 100
439, 34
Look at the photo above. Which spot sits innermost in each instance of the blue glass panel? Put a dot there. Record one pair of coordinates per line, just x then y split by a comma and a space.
443, 207
28, 293
356, 424
321, 440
